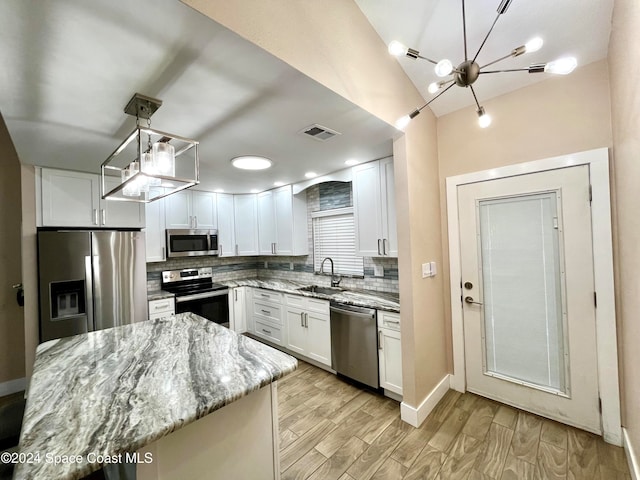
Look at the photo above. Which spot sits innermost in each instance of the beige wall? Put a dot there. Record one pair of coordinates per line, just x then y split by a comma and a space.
624, 63
333, 43
554, 117
11, 323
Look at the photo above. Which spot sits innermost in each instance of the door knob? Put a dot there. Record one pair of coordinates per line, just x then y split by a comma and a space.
471, 301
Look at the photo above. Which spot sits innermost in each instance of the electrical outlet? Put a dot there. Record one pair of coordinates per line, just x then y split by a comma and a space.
266, 265
378, 271
291, 266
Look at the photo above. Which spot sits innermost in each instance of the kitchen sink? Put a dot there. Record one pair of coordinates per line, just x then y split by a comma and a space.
323, 290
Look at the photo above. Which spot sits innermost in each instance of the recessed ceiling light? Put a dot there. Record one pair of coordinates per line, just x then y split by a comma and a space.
255, 190
219, 190
278, 184
351, 162
250, 162
311, 174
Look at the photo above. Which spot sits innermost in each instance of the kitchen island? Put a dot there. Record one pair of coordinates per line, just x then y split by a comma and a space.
191, 398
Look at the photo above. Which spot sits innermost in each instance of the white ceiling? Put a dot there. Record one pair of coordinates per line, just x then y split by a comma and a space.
578, 28
70, 66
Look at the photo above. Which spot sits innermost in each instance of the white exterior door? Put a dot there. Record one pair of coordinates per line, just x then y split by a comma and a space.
528, 290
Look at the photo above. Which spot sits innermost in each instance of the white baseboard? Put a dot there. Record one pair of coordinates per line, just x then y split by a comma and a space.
12, 386
634, 466
415, 416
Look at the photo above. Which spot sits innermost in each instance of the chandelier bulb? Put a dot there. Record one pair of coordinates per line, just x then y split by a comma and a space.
397, 49
562, 66
533, 45
443, 68
433, 87
484, 120
402, 122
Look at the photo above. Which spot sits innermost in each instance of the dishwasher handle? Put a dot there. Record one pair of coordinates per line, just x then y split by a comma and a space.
357, 313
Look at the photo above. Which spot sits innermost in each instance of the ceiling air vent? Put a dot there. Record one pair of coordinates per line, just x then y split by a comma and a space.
319, 132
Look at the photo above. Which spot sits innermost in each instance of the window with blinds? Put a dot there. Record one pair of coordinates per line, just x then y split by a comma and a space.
334, 237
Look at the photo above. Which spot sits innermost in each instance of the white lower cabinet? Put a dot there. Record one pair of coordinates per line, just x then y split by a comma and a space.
163, 308
390, 351
308, 327
266, 316
237, 309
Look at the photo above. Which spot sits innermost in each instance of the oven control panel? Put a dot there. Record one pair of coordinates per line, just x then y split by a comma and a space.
187, 274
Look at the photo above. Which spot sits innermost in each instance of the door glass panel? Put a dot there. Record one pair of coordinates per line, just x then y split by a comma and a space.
522, 290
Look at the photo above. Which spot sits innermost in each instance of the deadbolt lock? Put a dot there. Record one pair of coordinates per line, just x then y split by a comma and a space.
468, 285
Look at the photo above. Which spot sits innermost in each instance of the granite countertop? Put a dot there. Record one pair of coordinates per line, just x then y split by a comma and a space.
117, 390
159, 295
357, 297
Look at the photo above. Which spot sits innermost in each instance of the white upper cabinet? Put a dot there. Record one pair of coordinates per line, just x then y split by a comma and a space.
266, 223
282, 222
155, 230
374, 209
226, 225
121, 214
204, 210
245, 210
191, 209
73, 199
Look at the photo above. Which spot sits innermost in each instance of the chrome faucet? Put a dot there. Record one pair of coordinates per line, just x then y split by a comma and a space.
335, 279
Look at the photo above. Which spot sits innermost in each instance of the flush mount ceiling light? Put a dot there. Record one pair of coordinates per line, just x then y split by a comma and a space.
251, 162
145, 163
467, 72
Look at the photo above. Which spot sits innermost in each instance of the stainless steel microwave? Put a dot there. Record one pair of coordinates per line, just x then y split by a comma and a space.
191, 243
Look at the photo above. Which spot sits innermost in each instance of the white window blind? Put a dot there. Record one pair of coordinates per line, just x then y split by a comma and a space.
334, 237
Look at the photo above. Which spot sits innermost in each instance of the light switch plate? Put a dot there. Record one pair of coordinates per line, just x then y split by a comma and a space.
425, 270
432, 269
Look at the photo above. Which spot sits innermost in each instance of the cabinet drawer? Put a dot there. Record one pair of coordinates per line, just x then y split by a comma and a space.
160, 316
389, 320
161, 306
294, 300
267, 295
318, 306
271, 333
267, 311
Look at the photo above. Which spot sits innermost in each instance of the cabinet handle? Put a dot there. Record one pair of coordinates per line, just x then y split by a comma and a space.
95, 216
384, 246
301, 319
236, 249
380, 340
104, 216
379, 252
235, 294
266, 312
392, 321
264, 295
190, 221
163, 257
306, 320
195, 221
220, 250
266, 331
273, 248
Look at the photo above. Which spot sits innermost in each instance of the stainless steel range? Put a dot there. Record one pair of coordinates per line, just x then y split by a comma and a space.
195, 292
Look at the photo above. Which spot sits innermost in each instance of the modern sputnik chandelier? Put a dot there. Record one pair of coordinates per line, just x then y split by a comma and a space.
467, 72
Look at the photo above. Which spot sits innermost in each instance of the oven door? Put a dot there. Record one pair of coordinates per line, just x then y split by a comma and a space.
214, 306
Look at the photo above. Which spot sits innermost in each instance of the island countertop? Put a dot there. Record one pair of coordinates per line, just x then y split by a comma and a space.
114, 391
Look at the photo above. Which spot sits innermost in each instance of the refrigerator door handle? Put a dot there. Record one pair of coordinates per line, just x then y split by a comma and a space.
88, 281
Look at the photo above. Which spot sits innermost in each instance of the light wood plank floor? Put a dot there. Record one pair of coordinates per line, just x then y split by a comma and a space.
332, 430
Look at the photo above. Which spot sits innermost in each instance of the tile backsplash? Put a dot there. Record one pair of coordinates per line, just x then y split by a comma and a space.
324, 196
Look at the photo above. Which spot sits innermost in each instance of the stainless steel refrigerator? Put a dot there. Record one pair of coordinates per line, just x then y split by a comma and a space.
90, 280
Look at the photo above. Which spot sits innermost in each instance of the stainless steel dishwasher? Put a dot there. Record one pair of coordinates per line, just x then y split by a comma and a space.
354, 343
